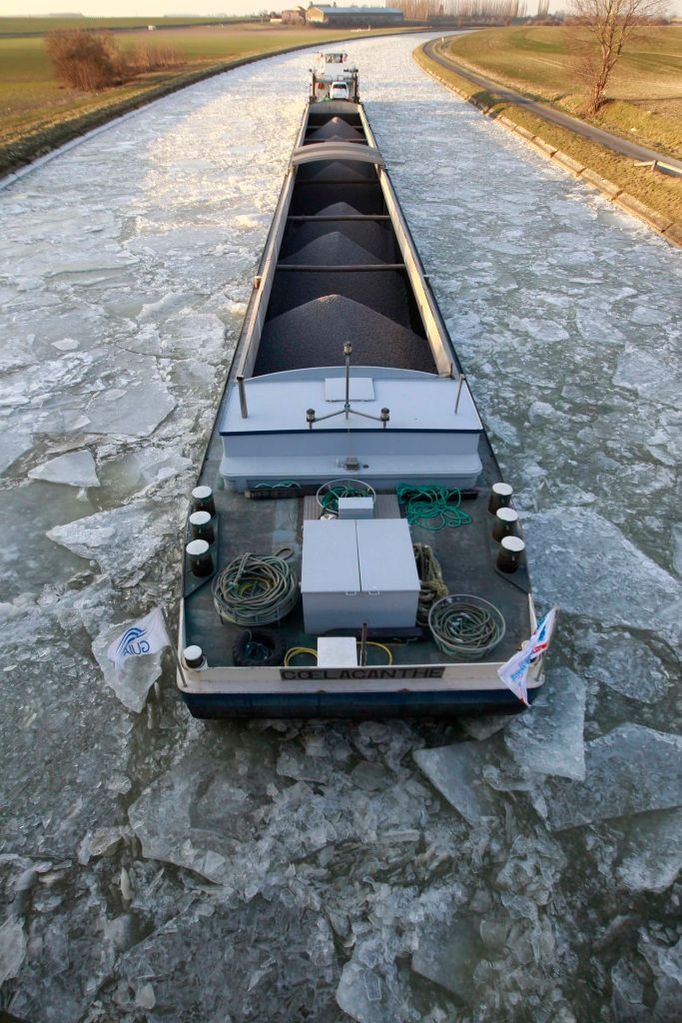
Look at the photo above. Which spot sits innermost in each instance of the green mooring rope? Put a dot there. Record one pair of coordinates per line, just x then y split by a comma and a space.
432, 507
279, 485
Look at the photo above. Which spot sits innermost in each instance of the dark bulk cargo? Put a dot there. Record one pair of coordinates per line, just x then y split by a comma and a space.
351, 548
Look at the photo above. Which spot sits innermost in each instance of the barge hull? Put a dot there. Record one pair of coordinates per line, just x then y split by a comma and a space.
340, 276
354, 705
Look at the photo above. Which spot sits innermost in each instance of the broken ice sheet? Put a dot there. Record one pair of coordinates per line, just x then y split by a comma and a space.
121, 540
13, 444
624, 663
628, 771
369, 990
666, 965
650, 377
70, 957
447, 952
273, 961
134, 678
652, 855
129, 474
195, 333
101, 842
216, 813
457, 772
133, 409
75, 469
627, 994
12, 948
586, 565
548, 739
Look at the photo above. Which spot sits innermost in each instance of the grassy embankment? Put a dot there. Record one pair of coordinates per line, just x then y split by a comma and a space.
39, 26
38, 114
645, 95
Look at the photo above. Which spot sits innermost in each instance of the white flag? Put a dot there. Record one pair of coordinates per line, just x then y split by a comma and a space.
146, 636
515, 672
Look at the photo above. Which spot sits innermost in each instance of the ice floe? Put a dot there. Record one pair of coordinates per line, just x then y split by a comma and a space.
625, 664
448, 952
652, 378
548, 739
122, 540
12, 948
585, 564
457, 773
652, 856
628, 770
13, 446
130, 409
75, 469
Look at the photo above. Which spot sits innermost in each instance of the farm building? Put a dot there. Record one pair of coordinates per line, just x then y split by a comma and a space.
295, 16
354, 17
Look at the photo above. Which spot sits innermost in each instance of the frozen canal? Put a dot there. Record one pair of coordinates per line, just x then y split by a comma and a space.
159, 870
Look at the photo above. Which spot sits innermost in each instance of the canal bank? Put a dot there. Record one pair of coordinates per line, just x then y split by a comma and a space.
656, 206
31, 146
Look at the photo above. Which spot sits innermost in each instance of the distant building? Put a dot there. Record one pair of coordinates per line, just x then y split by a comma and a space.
296, 16
353, 17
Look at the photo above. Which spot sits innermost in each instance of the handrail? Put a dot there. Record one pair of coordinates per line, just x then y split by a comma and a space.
359, 153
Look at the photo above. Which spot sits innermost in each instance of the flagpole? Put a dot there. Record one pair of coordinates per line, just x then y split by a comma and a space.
174, 650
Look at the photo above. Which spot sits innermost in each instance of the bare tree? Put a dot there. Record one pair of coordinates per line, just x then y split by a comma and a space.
611, 24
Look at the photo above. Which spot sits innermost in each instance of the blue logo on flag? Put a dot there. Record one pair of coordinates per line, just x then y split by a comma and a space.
132, 643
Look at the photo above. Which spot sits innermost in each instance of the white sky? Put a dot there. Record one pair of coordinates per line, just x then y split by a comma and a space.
192, 8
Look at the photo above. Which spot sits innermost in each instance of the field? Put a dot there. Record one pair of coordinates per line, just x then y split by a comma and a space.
644, 92
37, 113
38, 26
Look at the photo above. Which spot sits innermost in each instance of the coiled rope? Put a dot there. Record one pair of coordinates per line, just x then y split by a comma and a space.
255, 590
432, 507
432, 585
466, 627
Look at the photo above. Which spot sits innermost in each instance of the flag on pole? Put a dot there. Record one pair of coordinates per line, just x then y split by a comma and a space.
540, 639
146, 636
514, 673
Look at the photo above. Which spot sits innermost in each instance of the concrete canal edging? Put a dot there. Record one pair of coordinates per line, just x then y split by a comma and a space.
668, 229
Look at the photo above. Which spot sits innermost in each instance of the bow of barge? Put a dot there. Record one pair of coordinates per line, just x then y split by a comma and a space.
351, 547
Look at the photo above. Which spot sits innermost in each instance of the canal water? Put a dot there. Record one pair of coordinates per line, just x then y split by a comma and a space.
155, 869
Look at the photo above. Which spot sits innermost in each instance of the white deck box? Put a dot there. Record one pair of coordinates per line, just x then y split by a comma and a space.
357, 571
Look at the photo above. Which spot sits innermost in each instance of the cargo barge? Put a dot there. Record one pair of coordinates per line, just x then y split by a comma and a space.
351, 547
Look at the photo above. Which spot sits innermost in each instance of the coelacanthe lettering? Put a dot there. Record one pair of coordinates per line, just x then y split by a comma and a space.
320, 674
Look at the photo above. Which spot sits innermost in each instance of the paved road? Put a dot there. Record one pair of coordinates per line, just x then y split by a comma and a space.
604, 138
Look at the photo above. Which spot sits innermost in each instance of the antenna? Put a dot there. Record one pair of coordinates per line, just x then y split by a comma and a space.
347, 409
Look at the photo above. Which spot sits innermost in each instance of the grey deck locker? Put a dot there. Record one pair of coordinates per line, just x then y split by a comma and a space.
357, 571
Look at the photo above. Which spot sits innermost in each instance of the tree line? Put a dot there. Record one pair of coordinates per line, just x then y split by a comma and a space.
478, 11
